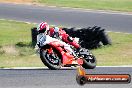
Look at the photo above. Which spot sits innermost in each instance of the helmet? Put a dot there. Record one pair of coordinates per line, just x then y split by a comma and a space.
43, 27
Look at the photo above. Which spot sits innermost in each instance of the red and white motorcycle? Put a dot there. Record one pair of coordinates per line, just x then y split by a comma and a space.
55, 56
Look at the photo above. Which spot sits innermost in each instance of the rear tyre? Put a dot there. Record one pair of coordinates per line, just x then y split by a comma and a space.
52, 61
89, 64
89, 61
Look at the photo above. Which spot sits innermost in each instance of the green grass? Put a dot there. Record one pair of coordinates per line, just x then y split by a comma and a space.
13, 32
16, 49
118, 5
120, 53
15, 45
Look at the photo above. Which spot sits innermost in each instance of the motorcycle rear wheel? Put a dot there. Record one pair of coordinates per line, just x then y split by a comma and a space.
89, 61
49, 61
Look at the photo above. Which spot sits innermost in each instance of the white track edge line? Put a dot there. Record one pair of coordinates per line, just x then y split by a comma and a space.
64, 67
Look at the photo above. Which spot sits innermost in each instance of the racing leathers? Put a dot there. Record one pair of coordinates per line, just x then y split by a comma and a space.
43, 39
61, 34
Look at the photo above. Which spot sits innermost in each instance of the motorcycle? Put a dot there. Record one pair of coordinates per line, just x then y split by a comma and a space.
55, 56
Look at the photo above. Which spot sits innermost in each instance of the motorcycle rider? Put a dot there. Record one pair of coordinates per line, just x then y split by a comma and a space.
58, 33
44, 38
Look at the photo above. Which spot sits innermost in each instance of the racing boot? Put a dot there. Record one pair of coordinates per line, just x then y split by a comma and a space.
78, 50
75, 56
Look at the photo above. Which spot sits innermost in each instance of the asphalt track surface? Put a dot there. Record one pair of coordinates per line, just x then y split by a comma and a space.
67, 17
44, 78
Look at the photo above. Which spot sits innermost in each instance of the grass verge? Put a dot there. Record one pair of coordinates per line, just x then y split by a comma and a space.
15, 45
120, 53
117, 5
16, 49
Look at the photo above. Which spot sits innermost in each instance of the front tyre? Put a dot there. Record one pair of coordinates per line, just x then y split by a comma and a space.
52, 61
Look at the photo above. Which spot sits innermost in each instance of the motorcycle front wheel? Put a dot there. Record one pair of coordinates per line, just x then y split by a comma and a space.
52, 61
